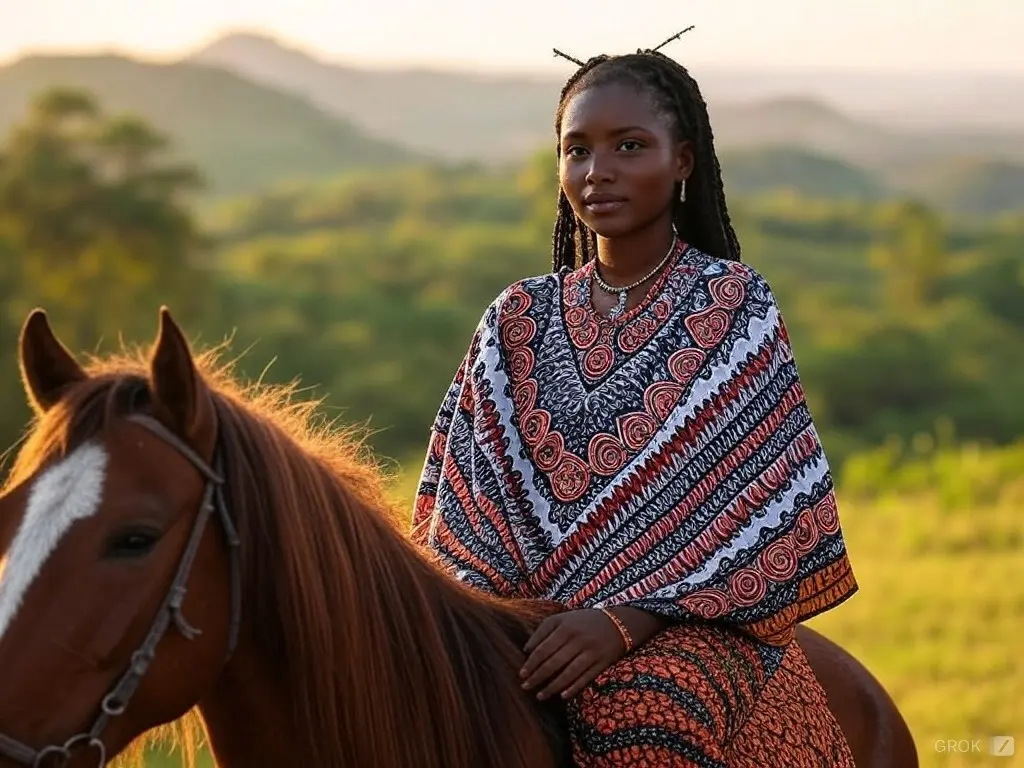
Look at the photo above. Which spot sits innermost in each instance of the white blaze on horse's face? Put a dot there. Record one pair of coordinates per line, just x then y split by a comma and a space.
64, 493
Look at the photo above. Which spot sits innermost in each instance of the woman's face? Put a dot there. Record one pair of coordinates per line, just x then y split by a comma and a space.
620, 160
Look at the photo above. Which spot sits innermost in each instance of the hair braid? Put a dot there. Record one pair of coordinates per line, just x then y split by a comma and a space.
564, 238
703, 219
567, 223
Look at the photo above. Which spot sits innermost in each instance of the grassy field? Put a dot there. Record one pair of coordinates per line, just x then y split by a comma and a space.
938, 627
941, 605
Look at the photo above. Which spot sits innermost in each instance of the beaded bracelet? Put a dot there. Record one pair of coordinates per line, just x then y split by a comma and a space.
627, 639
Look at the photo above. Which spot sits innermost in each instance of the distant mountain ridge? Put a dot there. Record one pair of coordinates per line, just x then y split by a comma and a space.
754, 171
243, 135
775, 141
953, 99
492, 118
453, 115
254, 114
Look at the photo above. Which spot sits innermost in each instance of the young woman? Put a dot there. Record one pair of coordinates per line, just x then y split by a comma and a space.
629, 436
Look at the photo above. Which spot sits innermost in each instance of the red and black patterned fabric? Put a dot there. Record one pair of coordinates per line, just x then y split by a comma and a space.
701, 696
665, 460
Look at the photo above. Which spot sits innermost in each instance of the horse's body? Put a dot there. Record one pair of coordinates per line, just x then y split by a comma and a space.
877, 733
345, 644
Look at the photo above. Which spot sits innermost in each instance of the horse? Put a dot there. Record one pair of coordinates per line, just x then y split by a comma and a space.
190, 557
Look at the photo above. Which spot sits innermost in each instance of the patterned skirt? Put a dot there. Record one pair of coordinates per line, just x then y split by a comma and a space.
708, 697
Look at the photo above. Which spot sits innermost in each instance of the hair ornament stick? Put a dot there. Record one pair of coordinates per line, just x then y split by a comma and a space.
674, 37
568, 57
657, 48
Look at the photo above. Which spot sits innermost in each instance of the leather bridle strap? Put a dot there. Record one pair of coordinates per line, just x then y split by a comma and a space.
213, 501
116, 701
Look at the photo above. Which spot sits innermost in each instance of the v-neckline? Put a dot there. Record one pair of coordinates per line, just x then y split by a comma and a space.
601, 345
653, 290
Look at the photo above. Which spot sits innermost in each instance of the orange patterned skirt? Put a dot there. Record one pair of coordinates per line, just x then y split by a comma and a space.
708, 697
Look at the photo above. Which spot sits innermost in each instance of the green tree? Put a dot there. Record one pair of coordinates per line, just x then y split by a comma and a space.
96, 214
911, 257
538, 182
95, 225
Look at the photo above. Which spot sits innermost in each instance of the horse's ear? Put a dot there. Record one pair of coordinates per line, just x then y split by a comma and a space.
48, 369
181, 399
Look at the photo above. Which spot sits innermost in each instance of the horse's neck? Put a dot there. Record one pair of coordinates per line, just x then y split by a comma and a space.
377, 667
249, 719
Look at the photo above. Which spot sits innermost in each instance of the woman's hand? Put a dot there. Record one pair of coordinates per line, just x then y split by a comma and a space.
568, 650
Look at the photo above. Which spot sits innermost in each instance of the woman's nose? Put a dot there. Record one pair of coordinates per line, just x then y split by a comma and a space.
599, 169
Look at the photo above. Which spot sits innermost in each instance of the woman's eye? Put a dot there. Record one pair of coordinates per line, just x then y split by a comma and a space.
630, 145
574, 151
131, 544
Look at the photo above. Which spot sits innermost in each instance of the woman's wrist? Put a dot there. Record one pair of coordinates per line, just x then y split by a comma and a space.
628, 642
641, 625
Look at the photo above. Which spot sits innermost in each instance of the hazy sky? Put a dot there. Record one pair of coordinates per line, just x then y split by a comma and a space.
913, 35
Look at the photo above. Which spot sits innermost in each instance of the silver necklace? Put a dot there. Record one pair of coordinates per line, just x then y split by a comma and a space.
623, 290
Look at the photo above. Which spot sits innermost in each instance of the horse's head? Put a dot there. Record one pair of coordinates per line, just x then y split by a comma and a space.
95, 524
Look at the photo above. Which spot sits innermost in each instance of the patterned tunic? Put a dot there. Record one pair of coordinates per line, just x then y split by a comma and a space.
665, 460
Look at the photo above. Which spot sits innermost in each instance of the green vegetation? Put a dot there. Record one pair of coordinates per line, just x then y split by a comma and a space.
907, 325
936, 539
898, 316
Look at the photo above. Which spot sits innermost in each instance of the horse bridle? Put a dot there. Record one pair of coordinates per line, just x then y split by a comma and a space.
116, 701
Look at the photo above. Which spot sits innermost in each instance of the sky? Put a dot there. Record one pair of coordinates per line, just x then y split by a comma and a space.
518, 35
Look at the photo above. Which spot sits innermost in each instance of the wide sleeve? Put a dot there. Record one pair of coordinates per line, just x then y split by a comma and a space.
459, 513
757, 541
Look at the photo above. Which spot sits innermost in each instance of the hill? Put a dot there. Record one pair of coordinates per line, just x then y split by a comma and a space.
809, 174
454, 115
972, 185
254, 113
494, 119
816, 127
243, 135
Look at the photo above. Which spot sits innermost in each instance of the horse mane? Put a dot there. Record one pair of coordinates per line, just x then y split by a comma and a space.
389, 662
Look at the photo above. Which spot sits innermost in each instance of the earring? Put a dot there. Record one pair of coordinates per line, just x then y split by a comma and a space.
682, 191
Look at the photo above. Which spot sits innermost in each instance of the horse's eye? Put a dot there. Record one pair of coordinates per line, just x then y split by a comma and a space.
133, 542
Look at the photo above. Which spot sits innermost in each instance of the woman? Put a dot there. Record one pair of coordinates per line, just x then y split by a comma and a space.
628, 436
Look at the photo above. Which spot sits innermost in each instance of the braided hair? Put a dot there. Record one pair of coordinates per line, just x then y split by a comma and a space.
703, 219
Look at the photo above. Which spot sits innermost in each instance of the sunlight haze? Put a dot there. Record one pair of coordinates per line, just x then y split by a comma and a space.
906, 35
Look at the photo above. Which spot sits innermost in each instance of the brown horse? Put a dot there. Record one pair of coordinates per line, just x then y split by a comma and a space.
302, 624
